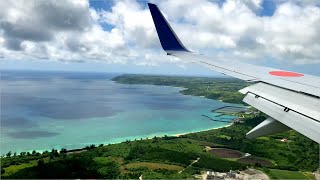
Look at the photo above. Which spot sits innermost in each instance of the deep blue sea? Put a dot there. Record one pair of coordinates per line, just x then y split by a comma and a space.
45, 110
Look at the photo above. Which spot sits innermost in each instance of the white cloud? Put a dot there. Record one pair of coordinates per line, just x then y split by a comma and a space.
72, 31
133, 21
290, 35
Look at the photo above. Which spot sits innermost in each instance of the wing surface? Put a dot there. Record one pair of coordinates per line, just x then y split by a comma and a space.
291, 99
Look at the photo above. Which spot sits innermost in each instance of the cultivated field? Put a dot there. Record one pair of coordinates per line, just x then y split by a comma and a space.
254, 160
226, 153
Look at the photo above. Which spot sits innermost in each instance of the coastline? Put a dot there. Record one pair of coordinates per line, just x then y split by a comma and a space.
182, 134
149, 136
121, 140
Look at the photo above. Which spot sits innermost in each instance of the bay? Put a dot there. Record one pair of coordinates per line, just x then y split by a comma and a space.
45, 110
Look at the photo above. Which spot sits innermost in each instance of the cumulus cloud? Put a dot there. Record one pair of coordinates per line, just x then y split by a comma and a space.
133, 21
235, 29
39, 20
74, 31
57, 30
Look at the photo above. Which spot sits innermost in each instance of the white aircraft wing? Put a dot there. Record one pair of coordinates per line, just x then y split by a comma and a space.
290, 99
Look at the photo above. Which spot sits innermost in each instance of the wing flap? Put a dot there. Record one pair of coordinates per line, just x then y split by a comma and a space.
304, 104
292, 119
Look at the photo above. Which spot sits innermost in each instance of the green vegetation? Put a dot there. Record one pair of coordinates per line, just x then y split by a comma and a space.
15, 168
224, 89
165, 157
285, 174
218, 164
174, 157
153, 166
300, 153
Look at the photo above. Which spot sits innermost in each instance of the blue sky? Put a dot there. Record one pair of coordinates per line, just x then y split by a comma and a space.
119, 36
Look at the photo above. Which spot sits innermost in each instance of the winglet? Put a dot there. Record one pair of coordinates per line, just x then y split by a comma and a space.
168, 39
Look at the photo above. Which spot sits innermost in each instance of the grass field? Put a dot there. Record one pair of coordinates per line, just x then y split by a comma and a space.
107, 160
225, 136
153, 166
284, 174
264, 138
15, 168
103, 160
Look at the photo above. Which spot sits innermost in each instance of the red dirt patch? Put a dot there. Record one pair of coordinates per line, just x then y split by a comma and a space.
254, 160
226, 153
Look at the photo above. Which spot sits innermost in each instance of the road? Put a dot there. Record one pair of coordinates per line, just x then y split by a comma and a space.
190, 164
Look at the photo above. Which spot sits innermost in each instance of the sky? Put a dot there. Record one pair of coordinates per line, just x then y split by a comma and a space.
119, 36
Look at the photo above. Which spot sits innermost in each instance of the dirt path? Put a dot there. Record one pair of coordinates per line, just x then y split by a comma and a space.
190, 164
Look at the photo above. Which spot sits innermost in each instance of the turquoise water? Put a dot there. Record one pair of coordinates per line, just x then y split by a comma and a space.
41, 111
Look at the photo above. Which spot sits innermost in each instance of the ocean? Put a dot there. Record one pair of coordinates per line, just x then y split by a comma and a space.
45, 110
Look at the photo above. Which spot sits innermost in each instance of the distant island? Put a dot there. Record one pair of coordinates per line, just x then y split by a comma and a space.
216, 153
224, 89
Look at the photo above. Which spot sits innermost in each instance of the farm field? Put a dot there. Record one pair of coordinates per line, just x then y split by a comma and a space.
285, 174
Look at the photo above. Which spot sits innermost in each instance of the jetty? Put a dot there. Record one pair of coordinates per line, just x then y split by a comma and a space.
215, 119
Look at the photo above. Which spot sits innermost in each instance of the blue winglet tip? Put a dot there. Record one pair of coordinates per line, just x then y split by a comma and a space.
168, 39
150, 4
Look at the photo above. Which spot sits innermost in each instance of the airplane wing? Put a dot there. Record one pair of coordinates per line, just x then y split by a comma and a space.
290, 99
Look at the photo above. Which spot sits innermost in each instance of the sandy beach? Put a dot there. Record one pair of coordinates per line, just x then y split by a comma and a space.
181, 134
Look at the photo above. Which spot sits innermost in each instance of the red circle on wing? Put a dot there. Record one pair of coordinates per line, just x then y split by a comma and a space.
285, 74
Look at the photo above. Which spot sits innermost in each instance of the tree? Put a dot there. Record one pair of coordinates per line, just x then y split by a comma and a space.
45, 152
9, 154
100, 145
257, 165
14, 154
56, 154
40, 162
34, 152
63, 150
64, 155
2, 171
154, 139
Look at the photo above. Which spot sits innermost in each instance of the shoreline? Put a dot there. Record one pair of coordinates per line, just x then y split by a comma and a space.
79, 150
182, 134
150, 136
121, 140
